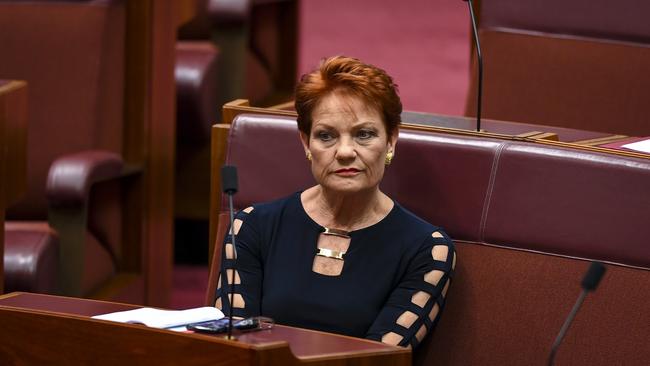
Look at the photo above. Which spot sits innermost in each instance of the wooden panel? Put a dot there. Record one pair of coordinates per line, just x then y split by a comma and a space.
13, 152
149, 142
42, 329
217, 159
13, 98
161, 142
3, 198
572, 82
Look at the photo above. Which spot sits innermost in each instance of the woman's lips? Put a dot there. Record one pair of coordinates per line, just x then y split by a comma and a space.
347, 172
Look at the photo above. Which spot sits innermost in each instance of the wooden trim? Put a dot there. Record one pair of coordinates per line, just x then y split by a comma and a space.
216, 248
602, 140
12, 85
149, 141
569, 145
217, 159
13, 152
538, 135
528, 134
185, 11
14, 100
239, 106
547, 136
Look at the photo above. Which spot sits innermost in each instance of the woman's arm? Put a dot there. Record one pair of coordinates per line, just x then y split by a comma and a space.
245, 268
414, 307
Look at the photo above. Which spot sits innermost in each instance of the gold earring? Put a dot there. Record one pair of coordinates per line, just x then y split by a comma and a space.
389, 158
308, 155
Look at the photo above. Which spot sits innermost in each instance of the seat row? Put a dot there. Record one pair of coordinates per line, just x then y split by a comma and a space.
526, 216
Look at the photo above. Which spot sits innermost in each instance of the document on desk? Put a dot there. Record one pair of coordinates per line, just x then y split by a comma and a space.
164, 319
643, 146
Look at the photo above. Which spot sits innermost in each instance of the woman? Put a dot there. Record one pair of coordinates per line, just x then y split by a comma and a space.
342, 256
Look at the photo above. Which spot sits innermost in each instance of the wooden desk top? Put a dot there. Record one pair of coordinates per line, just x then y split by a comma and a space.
305, 345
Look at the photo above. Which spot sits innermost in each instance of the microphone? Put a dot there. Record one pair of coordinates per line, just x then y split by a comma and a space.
589, 283
229, 187
479, 57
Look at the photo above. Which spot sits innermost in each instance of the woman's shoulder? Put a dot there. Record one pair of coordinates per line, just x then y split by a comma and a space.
412, 223
271, 208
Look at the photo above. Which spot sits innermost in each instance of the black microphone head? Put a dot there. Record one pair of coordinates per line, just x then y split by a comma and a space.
229, 179
593, 276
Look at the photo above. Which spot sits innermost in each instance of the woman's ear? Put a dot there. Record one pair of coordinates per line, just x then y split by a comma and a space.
304, 139
392, 139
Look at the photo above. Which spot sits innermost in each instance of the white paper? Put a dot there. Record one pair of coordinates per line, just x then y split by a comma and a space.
643, 146
157, 318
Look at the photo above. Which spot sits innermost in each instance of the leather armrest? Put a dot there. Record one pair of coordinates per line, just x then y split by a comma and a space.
71, 176
31, 257
196, 90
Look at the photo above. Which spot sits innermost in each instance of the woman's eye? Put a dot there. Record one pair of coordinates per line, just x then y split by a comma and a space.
324, 136
366, 134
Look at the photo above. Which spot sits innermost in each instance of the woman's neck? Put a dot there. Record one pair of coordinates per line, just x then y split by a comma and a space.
346, 211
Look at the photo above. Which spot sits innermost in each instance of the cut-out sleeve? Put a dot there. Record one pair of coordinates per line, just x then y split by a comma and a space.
414, 306
247, 267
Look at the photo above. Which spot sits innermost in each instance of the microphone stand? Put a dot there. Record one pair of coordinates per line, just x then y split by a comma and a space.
565, 327
479, 57
232, 286
589, 283
229, 186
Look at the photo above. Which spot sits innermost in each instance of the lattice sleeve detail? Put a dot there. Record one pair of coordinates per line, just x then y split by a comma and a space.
247, 276
414, 307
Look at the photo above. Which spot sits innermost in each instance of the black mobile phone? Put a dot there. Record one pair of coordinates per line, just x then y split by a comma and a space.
211, 326
221, 325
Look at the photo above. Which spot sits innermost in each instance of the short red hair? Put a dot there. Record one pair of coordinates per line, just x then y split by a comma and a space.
349, 76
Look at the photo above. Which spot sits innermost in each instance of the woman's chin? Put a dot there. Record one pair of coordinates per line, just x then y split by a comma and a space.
347, 189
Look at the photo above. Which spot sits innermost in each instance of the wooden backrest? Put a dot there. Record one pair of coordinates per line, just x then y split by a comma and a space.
578, 64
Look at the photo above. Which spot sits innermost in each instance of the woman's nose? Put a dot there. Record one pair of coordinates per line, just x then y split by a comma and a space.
345, 149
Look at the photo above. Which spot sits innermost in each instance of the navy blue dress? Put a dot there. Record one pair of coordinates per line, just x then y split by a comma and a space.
388, 271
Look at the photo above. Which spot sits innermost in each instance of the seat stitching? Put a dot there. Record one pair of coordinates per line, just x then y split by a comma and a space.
490, 188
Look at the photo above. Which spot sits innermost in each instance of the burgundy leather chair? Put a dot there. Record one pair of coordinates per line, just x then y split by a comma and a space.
580, 64
65, 236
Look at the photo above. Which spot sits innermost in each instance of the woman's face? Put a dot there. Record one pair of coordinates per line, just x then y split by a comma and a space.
348, 144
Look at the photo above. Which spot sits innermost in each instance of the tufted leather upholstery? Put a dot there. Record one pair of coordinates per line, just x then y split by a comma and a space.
525, 218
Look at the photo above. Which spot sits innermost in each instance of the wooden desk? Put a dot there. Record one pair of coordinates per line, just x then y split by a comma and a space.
500, 127
44, 329
13, 151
